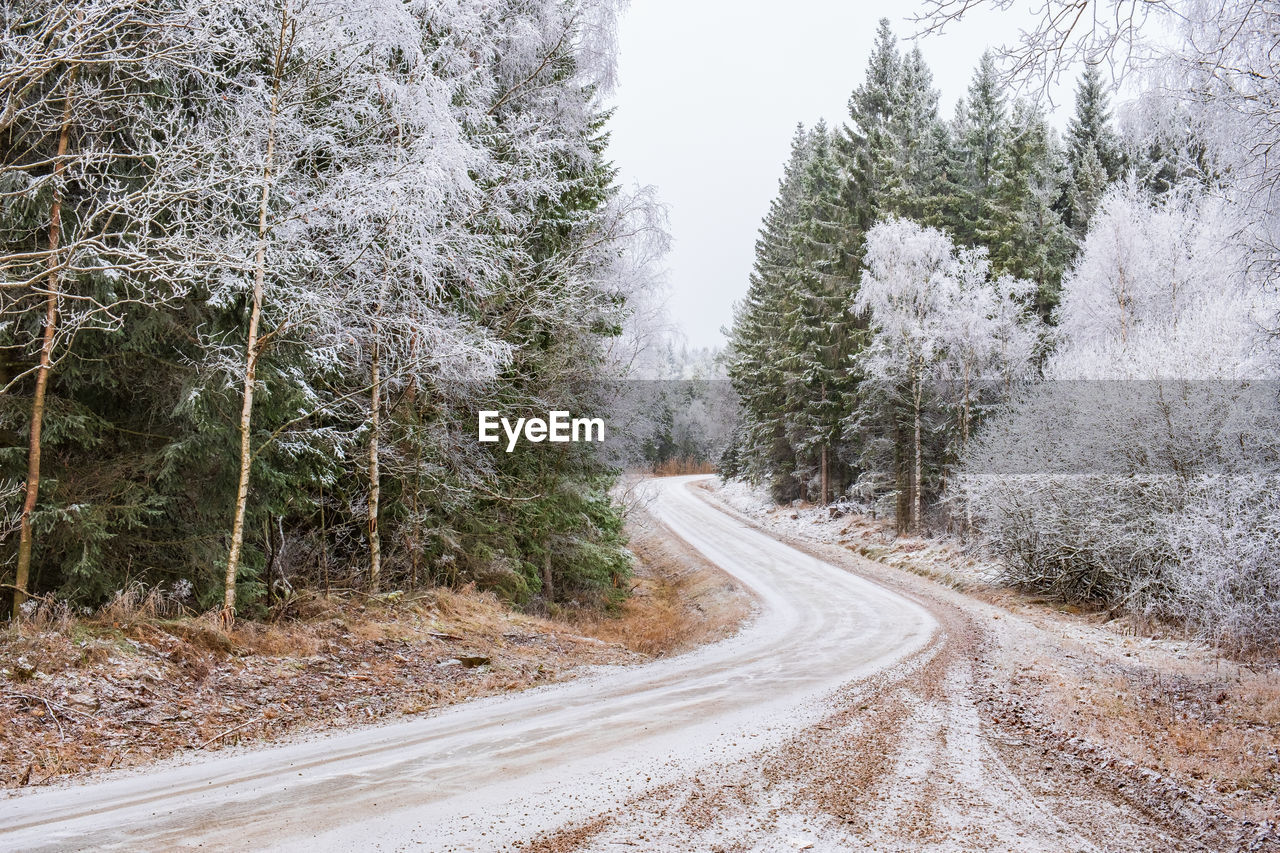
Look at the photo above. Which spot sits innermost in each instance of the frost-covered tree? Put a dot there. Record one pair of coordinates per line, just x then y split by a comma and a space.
757, 338
1214, 108
1030, 239
819, 331
1153, 406
985, 182
98, 161
939, 327
980, 132
351, 222
1161, 290
311, 114
918, 146
866, 142
562, 294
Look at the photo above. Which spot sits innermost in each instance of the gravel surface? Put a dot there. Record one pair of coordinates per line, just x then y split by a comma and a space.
861, 709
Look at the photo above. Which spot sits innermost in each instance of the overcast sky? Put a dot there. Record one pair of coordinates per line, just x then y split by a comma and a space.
709, 95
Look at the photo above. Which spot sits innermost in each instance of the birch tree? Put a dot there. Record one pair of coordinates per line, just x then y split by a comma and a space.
302, 111
88, 233
905, 289
391, 223
937, 320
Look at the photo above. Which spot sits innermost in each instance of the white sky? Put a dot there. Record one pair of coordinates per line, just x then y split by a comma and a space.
709, 94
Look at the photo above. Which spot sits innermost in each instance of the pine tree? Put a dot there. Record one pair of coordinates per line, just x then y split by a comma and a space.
819, 336
894, 148
1030, 239
757, 341
1093, 151
896, 151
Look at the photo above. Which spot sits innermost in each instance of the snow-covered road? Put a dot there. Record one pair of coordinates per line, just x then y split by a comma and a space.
492, 772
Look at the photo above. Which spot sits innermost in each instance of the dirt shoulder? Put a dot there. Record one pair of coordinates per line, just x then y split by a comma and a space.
79, 696
678, 599
1189, 735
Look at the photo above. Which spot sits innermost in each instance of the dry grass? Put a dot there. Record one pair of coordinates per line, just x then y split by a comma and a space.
678, 600
136, 602
1216, 731
682, 466
128, 686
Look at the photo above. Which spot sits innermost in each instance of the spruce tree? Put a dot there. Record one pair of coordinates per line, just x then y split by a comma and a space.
1093, 151
1088, 183
866, 143
819, 334
918, 147
756, 340
980, 130
1030, 239
894, 147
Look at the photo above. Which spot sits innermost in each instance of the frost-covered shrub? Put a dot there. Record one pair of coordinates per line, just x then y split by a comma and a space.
1153, 495
1078, 537
1224, 562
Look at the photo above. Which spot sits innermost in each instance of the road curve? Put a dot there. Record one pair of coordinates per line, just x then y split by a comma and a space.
481, 774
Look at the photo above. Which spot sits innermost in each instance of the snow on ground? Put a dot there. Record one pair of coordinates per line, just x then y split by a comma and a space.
942, 558
1180, 718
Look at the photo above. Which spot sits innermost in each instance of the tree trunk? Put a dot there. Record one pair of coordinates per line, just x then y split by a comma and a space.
902, 475
415, 544
917, 392
251, 347
324, 542
375, 420
826, 480
415, 549
375, 491
26, 535
548, 591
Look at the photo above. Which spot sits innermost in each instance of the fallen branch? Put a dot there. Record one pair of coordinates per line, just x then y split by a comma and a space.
229, 731
47, 704
57, 705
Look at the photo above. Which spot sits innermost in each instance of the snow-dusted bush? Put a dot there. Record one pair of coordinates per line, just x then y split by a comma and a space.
1070, 535
1223, 569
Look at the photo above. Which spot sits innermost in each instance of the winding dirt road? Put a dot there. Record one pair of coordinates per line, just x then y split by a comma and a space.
838, 718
